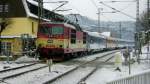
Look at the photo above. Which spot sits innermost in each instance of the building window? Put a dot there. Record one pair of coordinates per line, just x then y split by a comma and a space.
33, 28
4, 8
6, 48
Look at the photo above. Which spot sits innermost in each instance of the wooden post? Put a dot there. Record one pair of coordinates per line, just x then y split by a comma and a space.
49, 63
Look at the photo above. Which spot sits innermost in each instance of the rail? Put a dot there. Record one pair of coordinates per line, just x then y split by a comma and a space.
141, 78
81, 65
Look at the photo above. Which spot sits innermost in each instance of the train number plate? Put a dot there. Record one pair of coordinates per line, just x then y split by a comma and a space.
49, 41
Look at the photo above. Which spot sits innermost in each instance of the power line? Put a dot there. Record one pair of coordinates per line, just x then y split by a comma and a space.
118, 10
128, 5
75, 8
93, 2
118, 1
64, 3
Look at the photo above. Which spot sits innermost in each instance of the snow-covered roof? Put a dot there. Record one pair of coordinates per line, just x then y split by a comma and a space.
95, 34
29, 14
108, 34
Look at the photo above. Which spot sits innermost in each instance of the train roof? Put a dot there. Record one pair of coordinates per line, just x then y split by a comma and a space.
124, 40
95, 34
60, 23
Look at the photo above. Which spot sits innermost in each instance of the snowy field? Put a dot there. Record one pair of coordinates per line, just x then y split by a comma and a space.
101, 76
108, 72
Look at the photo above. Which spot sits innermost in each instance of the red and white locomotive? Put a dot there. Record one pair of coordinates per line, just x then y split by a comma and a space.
60, 41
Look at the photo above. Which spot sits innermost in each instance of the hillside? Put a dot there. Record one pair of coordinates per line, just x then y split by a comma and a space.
126, 28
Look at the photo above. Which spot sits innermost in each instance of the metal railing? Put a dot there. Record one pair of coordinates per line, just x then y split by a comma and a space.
141, 78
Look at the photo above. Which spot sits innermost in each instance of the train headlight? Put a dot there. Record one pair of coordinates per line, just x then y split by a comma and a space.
60, 46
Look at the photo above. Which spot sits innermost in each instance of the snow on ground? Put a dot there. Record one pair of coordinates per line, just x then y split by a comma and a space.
75, 76
9, 65
13, 72
40, 76
101, 76
25, 59
88, 58
12, 64
108, 72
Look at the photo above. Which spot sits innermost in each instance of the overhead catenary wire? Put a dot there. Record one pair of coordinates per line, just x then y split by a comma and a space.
126, 7
93, 2
114, 1
118, 11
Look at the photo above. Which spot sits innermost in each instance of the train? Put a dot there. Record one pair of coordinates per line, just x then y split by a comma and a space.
61, 41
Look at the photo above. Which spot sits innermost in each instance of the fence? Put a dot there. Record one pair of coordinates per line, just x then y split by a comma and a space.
141, 78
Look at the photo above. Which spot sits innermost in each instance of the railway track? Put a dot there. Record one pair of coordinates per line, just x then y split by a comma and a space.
2, 71
15, 72
79, 71
38, 70
82, 81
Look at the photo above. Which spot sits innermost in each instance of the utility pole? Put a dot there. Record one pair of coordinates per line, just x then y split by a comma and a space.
40, 10
137, 16
148, 21
148, 13
137, 42
99, 23
120, 26
99, 20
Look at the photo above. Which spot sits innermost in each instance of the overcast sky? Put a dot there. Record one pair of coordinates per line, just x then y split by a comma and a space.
89, 8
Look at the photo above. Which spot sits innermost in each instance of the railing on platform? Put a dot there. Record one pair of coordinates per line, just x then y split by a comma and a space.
141, 78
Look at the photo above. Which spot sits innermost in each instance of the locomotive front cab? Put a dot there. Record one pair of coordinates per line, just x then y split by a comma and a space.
51, 39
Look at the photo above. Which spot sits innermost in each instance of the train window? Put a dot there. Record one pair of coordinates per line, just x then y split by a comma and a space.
84, 41
45, 30
73, 41
73, 36
57, 30
84, 38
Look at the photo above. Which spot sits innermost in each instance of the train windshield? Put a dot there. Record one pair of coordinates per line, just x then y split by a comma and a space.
57, 30
45, 30
54, 30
